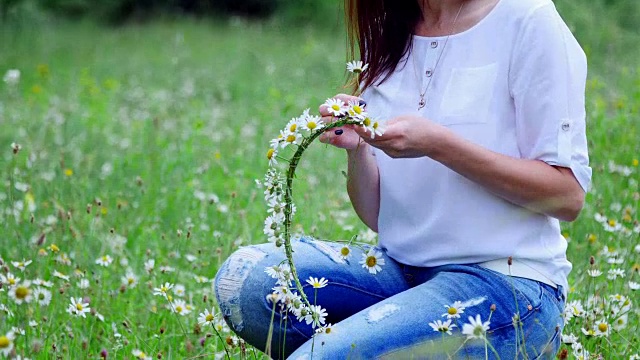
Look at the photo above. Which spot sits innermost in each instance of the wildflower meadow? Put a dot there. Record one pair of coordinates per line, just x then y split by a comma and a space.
133, 163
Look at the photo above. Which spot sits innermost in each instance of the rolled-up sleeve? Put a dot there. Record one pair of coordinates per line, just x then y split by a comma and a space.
547, 81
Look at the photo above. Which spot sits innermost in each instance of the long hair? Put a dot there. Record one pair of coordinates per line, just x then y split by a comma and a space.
380, 30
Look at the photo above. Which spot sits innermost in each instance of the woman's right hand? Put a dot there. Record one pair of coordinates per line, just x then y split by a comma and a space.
348, 138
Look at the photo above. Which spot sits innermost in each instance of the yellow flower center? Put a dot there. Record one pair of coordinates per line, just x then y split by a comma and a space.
41, 296
366, 122
12, 281
104, 259
164, 289
335, 107
357, 109
375, 125
22, 292
179, 309
293, 127
592, 238
635, 162
371, 261
79, 306
270, 153
291, 138
345, 251
311, 125
603, 327
327, 330
130, 281
142, 355
452, 311
612, 222
54, 248
4, 342
209, 317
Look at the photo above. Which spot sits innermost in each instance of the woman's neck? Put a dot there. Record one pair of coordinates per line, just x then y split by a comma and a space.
438, 16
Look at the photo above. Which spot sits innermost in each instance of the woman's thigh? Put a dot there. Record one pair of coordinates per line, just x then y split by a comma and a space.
241, 287
398, 327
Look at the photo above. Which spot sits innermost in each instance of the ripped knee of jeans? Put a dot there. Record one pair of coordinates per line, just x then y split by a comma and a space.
230, 280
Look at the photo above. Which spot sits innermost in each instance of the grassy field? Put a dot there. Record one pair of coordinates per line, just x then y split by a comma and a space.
142, 144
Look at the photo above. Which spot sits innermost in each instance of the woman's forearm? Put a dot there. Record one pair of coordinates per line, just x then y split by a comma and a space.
363, 184
533, 184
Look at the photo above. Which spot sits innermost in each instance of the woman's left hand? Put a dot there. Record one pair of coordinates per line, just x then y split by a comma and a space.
406, 136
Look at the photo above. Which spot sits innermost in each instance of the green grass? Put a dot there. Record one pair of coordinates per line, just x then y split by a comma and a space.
121, 128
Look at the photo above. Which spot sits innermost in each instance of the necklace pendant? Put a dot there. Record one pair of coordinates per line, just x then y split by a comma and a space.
422, 103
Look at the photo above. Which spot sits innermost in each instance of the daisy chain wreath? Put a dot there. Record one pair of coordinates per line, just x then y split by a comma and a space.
297, 136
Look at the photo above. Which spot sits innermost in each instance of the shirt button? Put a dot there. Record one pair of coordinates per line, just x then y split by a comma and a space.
434, 44
429, 72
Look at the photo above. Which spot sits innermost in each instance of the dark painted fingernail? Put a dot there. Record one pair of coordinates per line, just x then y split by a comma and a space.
339, 132
362, 103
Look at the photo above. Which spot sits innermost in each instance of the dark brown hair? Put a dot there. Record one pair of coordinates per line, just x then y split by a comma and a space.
381, 31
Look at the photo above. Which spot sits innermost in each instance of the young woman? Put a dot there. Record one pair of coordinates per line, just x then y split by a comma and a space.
484, 152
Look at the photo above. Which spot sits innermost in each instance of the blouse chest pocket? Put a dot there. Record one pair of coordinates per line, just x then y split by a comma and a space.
468, 95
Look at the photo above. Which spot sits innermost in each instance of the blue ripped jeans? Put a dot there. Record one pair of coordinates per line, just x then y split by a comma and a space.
387, 315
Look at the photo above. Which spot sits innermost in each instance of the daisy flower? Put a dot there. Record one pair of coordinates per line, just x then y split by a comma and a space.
78, 307
336, 107
601, 328
317, 284
569, 338
179, 306
201, 279
272, 156
11, 77
316, 316
356, 110
42, 296
129, 279
21, 264
179, 290
357, 67
83, 284
43, 283
312, 122
454, 310
372, 261
206, 318
21, 292
615, 273
621, 322
292, 125
105, 260
6, 343
149, 265
290, 138
327, 329
634, 285
594, 272
140, 355
163, 290
372, 126
9, 279
60, 275
475, 329
443, 327
345, 252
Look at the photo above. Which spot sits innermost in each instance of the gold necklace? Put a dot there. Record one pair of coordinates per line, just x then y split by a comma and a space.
422, 103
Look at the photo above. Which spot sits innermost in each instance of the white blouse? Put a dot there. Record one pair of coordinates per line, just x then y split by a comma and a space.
513, 83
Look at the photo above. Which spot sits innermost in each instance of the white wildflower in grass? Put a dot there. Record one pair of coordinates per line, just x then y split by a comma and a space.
60, 275
317, 283
6, 343
454, 310
6, 310
83, 284
372, 261
589, 332
573, 309
179, 307
612, 225
206, 318
163, 290
9, 279
272, 156
475, 329
42, 296
336, 107
104, 260
357, 67
179, 290
443, 327
634, 285
316, 316
138, 354
18, 331
167, 269
290, 138
99, 316
201, 279
594, 272
11, 77
569, 338
602, 328
63, 259
149, 265
621, 322
33, 323
42, 283
78, 307
615, 273
21, 265
21, 293
130, 279
634, 357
